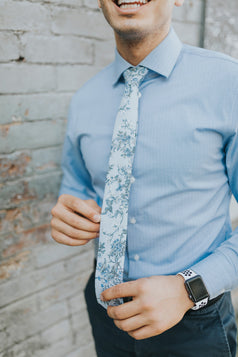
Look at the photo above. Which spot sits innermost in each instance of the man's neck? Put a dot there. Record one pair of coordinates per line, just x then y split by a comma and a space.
134, 51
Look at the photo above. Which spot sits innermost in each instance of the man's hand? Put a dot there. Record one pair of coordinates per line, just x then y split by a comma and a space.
159, 303
75, 221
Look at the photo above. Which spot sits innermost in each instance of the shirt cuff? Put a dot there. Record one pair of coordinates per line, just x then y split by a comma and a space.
214, 274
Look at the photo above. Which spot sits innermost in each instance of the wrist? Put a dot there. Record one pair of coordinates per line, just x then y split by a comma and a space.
188, 303
196, 288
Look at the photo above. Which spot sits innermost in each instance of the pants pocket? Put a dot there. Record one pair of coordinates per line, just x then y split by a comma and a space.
215, 327
228, 328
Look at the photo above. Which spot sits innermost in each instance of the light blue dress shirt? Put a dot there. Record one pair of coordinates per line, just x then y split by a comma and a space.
185, 166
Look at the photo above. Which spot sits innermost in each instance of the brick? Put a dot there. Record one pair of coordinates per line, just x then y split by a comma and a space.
24, 16
66, 21
27, 348
7, 239
54, 252
63, 290
48, 277
29, 190
3, 340
81, 328
82, 263
221, 27
28, 324
25, 163
28, 239
70, 288
191, 11
45, 185
31, 282
13, 165
43, 312
60, 348
46, 159
77, 303
56, 332
18, 136
13, 266
57, 49
17, 311
104, 52
71, 78
26, 78
7, 219
86, 351
11, 194
17, 220
63, 3
188, 33
18, 108
91, 4
9, 47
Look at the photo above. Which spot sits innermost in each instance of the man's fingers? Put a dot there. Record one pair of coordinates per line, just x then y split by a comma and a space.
121, 290
144, 332
124, 311
70, 231
80, 206
63, 239
131, 324
75, 220
94, 205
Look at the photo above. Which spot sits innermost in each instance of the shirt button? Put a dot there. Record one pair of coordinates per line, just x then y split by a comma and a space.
136, 257
132, 179
133, 220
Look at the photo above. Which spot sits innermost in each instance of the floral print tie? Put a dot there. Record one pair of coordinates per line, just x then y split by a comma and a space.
114, 215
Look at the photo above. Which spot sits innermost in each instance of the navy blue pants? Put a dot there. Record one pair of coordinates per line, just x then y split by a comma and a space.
208, 332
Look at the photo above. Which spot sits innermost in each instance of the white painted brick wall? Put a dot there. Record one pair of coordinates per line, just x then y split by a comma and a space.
48, 49
24, 16
57, 49
26, 78
9, 47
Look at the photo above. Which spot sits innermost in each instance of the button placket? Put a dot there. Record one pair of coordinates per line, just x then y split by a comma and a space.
132, 179
136, 257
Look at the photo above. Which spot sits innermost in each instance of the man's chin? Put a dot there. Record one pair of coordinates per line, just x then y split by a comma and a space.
131, 33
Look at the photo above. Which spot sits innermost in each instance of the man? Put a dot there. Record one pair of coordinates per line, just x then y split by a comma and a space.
181, 256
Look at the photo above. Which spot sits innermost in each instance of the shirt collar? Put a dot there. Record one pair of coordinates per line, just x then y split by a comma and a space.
161, 60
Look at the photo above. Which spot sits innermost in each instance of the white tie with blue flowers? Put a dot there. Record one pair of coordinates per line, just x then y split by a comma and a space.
114, 215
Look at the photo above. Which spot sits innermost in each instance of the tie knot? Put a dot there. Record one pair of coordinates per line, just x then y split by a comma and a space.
134, 75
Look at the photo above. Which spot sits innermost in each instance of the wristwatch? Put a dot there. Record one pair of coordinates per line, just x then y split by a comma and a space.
196, 288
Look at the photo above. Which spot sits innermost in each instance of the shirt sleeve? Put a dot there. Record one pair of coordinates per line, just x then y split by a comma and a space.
219, 270
76, 179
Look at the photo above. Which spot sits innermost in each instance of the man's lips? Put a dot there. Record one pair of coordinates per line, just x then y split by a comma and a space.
130, 5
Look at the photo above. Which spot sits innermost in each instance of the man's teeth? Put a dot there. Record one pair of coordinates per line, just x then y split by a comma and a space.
130, 4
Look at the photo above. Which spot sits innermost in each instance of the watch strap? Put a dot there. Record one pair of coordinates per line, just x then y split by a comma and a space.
188, 274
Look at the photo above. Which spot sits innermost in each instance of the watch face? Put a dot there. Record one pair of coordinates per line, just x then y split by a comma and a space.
197, 289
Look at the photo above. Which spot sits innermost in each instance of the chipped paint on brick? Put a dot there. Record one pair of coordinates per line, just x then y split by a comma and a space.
14, 166
28, 239
41, 286
6, 127
13, 264
26, 195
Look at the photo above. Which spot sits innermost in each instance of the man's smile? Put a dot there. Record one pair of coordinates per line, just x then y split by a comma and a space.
130, 4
